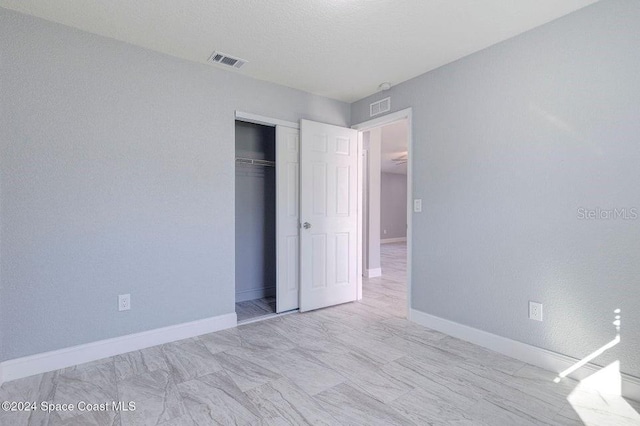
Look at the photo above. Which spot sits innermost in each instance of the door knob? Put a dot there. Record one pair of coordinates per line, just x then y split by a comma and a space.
306, 225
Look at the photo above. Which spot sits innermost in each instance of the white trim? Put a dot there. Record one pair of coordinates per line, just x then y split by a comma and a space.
255, 293
382, 120
267, 316
407, 114
67, 357
359, 236
267, 121
542, 358
630, 387
372, 273
393, 240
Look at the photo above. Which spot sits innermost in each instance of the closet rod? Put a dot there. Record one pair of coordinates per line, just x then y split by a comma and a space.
255, 162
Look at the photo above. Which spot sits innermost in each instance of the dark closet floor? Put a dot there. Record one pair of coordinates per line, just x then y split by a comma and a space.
255, 308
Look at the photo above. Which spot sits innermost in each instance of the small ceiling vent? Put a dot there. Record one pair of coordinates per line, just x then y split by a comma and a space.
227, 60
379, 107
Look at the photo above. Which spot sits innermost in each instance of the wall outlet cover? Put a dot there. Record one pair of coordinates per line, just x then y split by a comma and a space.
124, 302
535, 311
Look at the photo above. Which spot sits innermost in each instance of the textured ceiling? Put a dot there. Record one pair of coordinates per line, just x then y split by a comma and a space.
342, 49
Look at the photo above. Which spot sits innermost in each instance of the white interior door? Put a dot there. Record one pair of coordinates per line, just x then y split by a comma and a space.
329, 215
288, 218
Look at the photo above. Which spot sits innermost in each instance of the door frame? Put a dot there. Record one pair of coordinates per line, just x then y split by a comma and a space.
265, 121
407, 114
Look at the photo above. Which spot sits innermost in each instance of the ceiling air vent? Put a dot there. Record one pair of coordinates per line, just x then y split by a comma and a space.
379, 107
224, 59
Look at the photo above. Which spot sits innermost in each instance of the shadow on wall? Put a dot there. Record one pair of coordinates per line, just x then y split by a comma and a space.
601, 392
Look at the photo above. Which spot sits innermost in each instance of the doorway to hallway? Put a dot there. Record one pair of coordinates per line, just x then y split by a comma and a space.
386, 218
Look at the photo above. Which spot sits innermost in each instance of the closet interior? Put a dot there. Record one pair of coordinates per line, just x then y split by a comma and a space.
255, 220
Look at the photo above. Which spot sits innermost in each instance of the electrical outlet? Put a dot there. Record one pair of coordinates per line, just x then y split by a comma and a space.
384, 232
124, 302
417, 205
535, 311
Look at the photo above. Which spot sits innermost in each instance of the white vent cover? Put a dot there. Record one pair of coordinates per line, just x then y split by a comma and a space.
224, 59
380, 106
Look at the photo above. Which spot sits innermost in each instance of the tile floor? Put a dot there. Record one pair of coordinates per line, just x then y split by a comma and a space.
355, 364
251, 309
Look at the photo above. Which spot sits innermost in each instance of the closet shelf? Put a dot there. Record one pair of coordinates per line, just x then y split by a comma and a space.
255, 162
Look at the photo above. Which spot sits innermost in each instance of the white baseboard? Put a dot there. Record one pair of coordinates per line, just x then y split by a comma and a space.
48, 361
393, 240
255, 293
539, 357
372, 273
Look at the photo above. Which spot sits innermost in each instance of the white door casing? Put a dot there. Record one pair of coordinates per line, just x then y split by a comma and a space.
287, 222
329, 215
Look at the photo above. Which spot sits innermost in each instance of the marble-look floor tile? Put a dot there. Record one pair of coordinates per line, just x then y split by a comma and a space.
35, 388
444, 372
260, 336
268, 303
523, 405
350, 406
501, 391
185, 420
310, 335
494, 388
282, 402
417, 373
156, 397
438, 357
18, 418
91, 383
363, 311
306, 371
215, 399
188, 359
247, 369
561, 420
139, 362
593, 408
431, 408
375, 350
255, 308
488, 414
366, 375
222, 340
325, 325
86, 419
411, 331
531, 381
479, 355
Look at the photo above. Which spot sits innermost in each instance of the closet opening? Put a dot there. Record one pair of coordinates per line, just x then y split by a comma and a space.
255, 214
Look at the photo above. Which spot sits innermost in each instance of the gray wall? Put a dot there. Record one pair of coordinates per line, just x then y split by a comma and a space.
117, 171
508, 144
255, 213
393, 205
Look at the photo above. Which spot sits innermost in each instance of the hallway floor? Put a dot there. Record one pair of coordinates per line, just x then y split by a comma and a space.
359, 363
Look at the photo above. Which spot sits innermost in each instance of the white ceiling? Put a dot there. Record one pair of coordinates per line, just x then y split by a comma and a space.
342, 49
394, 145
